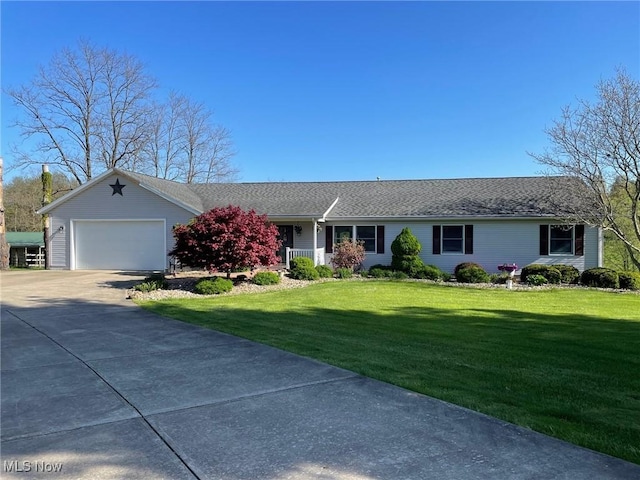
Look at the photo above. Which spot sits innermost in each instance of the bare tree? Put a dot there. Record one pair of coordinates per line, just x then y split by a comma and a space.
599, 144
206, 147
185, 144
90, 109
161, 154
85, 110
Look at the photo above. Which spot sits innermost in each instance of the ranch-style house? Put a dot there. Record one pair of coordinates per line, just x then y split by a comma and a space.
123, 220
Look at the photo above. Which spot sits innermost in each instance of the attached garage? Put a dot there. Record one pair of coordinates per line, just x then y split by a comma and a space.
119, 244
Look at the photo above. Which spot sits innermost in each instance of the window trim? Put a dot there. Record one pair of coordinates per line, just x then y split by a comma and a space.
463, 239
572, 241
354, 232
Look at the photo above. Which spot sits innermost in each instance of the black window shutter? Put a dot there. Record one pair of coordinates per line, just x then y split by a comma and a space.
380, 239
328, 245
468, 239
544, 239
437, 230
579, 246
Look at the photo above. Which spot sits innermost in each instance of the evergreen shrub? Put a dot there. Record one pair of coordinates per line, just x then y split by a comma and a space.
549, 272
537, 280
343, 272
213, 286
472, 274
324, 271
600, 277
301, 268
629, 280
266, 278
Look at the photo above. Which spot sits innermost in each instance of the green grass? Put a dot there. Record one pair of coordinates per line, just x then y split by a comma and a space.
565, 362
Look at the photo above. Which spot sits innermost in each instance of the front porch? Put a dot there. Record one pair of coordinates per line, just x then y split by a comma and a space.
300, 238
317, 255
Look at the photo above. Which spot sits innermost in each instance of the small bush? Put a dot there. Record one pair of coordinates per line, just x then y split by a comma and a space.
472, 274
430, 272
155, 281
301, 268
213, 286
344, 272
569, 273
380, 271
266, 278
298, 262
399, 276
409, 264
536, 280
324, 271
629, 280
600, 277
465, 265
146, 287
499, 278
348, 254
550, 272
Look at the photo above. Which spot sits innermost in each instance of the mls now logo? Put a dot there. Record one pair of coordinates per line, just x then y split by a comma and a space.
14, 466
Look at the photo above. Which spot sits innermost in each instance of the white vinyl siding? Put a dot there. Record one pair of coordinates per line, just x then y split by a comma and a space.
495, 242
98, 203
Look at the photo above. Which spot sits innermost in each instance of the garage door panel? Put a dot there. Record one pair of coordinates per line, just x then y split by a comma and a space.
120, 245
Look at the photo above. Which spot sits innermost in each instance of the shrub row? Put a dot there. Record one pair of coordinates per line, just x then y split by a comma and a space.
552, 273
422, 271
609, 278
536, 274
301, 268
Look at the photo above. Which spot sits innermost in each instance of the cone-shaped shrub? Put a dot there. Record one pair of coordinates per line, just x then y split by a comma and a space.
405, 249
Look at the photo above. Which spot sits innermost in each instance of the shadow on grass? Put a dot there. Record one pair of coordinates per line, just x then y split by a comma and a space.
572, 376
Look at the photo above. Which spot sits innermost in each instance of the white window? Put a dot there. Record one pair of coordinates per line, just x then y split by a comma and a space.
367, 235
342, 233
362, 233
452, 239
561, 240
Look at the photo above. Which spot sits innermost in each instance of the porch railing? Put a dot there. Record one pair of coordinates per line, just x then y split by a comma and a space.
317, 256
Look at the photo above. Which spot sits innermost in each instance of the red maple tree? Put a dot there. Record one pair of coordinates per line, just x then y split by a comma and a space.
227, 239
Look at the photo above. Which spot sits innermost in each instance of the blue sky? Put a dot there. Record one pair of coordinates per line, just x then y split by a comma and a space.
352, 90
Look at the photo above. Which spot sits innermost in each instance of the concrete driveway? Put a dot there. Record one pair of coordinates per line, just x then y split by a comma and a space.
94, 387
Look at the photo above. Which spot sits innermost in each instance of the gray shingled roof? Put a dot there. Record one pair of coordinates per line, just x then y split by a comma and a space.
472, 197
181, 192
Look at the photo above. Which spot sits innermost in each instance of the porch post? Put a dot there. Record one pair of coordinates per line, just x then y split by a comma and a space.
315, 242
287, 254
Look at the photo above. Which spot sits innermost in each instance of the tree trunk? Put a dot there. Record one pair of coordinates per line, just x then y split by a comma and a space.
47, 187
4, 248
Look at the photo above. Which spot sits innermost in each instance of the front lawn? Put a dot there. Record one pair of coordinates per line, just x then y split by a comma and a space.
564, 362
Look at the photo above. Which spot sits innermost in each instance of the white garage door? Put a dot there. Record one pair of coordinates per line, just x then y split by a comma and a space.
120, 245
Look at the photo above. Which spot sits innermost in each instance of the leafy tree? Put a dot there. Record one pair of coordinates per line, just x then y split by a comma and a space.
348, 254
92, 108
226, 239
599, 145
23, 197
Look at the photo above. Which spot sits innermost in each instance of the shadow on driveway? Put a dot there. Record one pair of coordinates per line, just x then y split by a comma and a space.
100, 388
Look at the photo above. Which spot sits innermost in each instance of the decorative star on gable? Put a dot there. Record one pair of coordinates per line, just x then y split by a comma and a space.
117, 188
